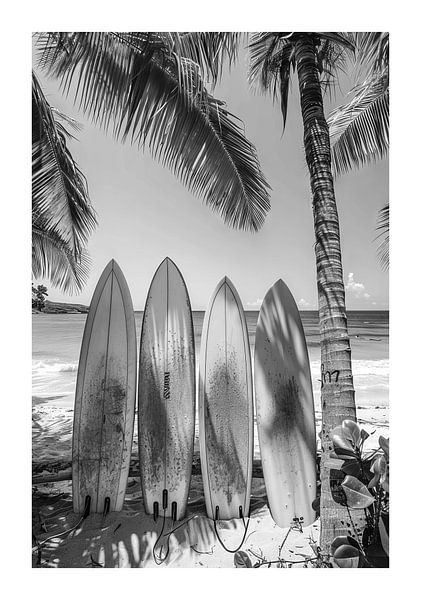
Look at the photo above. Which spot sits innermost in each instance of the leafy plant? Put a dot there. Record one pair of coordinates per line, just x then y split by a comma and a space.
366, 487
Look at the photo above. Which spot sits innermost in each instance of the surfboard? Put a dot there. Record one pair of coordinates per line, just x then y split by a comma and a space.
285, 409
105, 397
226, 406
166, 394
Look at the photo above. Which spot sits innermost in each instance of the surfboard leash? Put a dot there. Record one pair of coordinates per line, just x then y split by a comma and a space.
240, 510
159, 559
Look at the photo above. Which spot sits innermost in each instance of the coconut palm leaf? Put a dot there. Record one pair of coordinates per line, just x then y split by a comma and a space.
210, 50
359, 130
138, 86
372, 51
52, 259
59, 192
62, 216
272, 60
383, 228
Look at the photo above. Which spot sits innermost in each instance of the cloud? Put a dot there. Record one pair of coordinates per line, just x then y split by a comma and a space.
256, 304
356, 289
303, 303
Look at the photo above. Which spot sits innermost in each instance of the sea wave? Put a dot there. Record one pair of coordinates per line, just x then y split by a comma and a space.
40, 367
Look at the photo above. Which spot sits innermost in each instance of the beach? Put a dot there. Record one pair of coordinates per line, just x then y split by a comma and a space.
126, 539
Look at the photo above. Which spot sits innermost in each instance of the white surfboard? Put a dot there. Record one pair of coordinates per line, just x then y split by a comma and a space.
166, 394
226, 406
105, 397
285, 409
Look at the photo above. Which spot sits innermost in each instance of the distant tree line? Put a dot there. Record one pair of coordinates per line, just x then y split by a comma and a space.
38, 296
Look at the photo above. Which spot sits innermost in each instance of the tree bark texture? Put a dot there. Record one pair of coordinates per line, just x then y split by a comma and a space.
337, 390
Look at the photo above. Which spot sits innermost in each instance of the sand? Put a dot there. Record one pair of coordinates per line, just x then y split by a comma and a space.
127, 539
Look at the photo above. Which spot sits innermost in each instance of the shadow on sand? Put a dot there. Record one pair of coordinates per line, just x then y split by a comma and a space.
125, 539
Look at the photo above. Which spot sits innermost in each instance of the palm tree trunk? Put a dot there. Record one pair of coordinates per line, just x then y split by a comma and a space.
337, 391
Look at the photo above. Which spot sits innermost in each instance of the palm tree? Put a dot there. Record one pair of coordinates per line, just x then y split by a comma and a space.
316, 57
62, 215
143, 88
359, 129
312, 55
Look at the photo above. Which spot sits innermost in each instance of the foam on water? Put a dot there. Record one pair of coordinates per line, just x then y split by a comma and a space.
57, 340
51, 378
40, 367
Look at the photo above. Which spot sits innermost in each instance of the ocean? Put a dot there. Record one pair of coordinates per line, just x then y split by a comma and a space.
56, 341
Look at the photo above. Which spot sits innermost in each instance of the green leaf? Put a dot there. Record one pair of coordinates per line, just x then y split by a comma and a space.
242, 560
364, 436
379, 465
357, 494
384, 445
380, 468
347, 557
341, 443
351, 467
353, 429
384, 531
374, 481
315, 505
342, 540
343, 433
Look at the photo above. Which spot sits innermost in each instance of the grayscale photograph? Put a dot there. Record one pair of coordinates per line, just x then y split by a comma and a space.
210, 299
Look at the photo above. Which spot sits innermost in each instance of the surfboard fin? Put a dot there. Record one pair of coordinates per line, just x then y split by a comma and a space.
155, 510
174, 511
106, 506
87, 508
165, 499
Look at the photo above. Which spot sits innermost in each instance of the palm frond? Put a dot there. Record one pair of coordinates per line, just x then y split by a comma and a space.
359, 130
331, 56
340, 39
383, 228
271, 62
137, 85
265, 56
210, 50
372, 51
272, 59
53, 260
59, 191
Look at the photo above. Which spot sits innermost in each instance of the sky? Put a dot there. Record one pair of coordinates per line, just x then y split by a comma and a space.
145, 213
